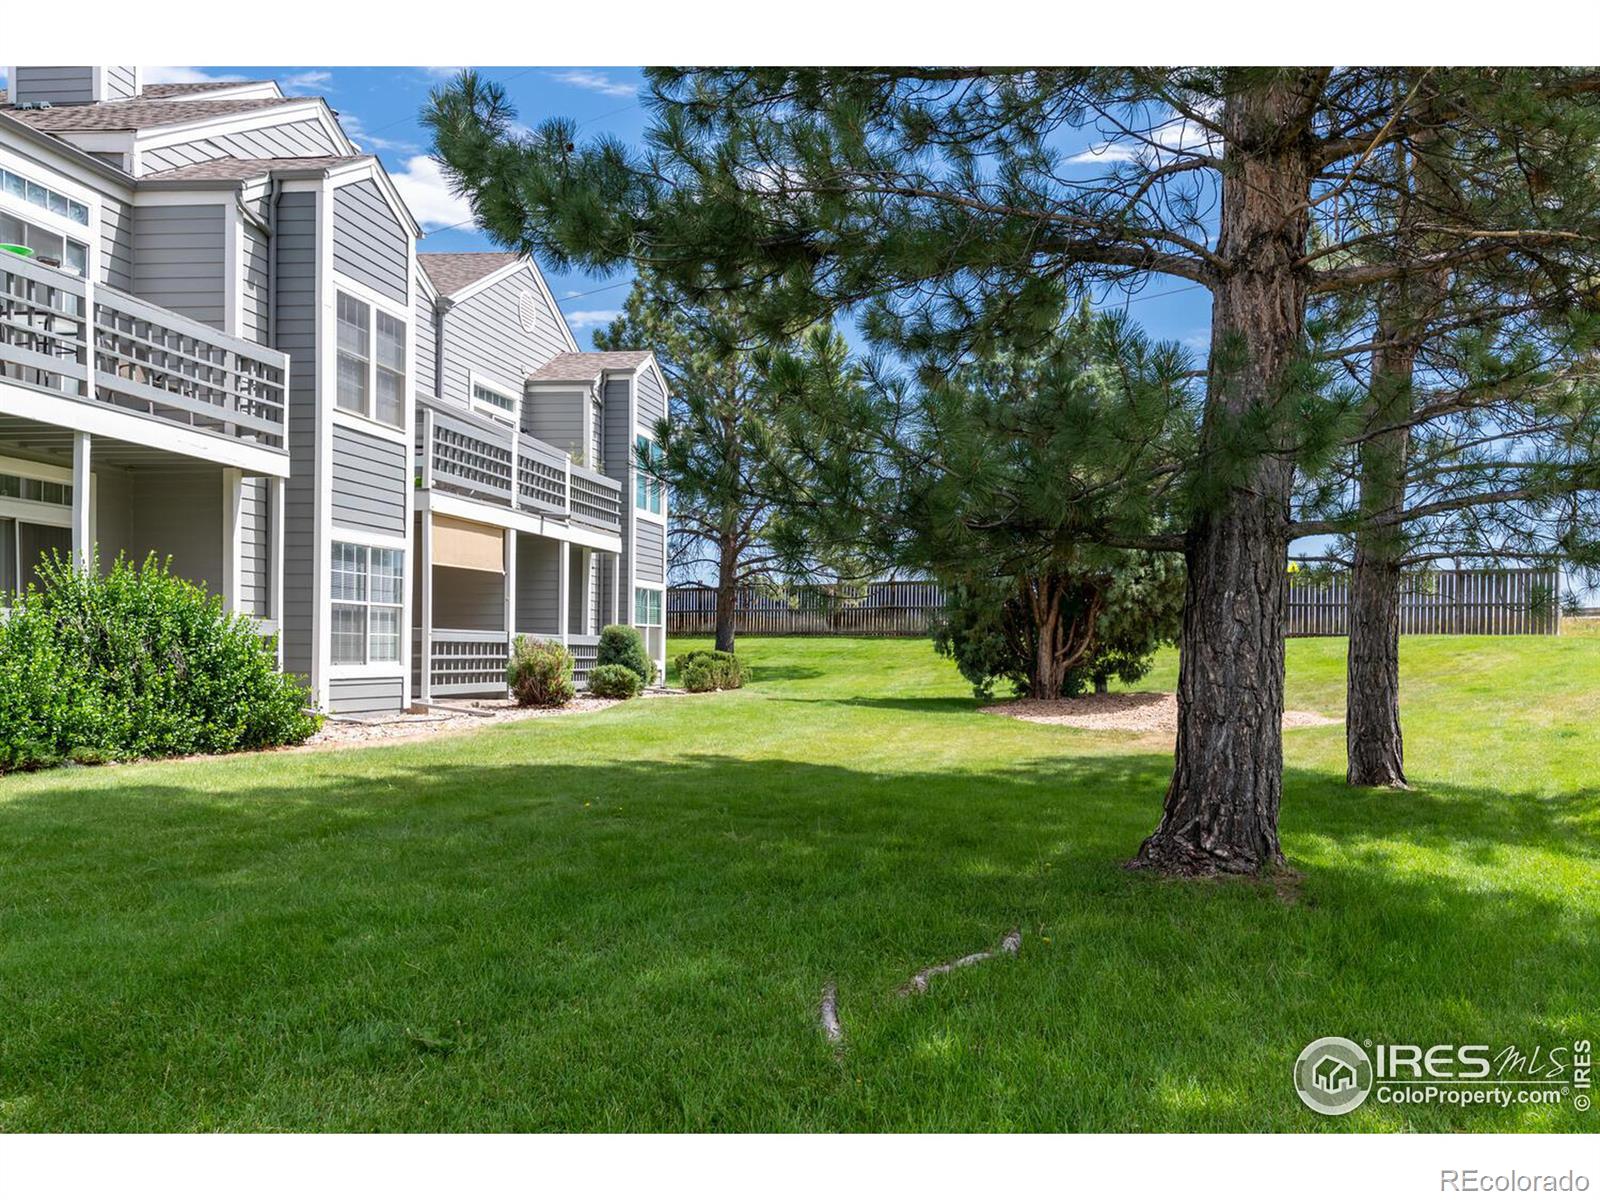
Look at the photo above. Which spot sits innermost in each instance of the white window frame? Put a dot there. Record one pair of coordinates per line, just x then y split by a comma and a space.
394, 313
655, 504
511, 416
87, 235
660, 593
368, 665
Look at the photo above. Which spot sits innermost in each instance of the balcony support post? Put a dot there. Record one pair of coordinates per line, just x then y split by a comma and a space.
563, 590
82, 501
510, 536
232, 531
424, 569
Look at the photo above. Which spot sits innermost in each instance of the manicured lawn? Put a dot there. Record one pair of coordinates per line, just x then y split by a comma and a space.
623, 921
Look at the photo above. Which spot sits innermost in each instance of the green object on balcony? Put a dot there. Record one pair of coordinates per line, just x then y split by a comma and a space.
22, 250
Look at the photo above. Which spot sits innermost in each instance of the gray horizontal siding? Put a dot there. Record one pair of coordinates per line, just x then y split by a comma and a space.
286, 139
652, 400
253, 322
465, 599
650, 557
370, 480
294, 255
116, 244
179, 259
483, 334
557, 418
255, 548
355, 697
538, 584
178, 513
52, 85
370, 245
426, 337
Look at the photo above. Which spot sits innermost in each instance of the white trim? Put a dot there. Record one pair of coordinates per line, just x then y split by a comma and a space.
360, 291
365, 537
408, 564
384, 670
233, 255
371, 167
506, 272
161, 136
185, 198
355, 420
262, 89
511, 416
82, 495
395, 312
67, 412
325, 389
275, 556
232, 532
52, 472
448, 505
58, 516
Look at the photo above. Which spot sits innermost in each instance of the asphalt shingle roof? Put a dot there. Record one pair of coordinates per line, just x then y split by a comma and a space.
165, 91
574, 368
137, 114
452, 272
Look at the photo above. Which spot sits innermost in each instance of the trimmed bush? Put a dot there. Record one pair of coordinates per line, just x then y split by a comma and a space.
709, 671
624, 646
540, 673
137, 663
613, 681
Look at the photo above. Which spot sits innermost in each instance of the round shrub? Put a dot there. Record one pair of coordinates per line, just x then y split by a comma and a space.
540, 673
624, 646
137, 663
613, 681
709, 670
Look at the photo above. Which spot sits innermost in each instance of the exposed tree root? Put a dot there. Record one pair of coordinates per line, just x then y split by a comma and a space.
828, 1015
918, 983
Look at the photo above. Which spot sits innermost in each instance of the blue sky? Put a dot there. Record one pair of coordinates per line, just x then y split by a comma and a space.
379, 107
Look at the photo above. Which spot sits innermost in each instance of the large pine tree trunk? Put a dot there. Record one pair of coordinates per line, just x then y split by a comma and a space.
727, 592
1221, 810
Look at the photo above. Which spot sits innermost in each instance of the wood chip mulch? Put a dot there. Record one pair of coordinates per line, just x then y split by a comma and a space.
1131, 712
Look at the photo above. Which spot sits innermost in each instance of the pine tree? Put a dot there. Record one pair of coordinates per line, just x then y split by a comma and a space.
720, 443
946, 208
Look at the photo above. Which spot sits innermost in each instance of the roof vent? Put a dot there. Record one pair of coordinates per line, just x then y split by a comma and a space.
32, 104
528, 312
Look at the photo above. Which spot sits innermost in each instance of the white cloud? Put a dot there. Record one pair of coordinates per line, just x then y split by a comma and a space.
371, 141
1170, 138
586, 317
307, 81
428, 194
185, 75
443, 72
596, 81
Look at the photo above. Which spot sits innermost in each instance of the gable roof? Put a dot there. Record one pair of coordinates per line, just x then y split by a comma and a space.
228, 170
166, 91
118, 115
582, 366
451, 273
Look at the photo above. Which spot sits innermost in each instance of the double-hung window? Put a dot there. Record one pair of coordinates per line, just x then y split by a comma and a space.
646, 488
368, 584
372, 369
647, 606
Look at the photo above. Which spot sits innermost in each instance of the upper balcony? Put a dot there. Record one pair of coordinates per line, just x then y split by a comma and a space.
137, 358
485, 460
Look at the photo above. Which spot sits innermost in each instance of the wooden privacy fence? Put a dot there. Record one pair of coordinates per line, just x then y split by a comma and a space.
878, 609
1519, 601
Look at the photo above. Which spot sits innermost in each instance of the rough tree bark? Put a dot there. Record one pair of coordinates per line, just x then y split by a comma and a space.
1221, 810
1059, 644
1375, 754
727, 591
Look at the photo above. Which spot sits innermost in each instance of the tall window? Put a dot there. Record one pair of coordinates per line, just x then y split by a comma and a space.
646, 606
646, 489
51, 248
368, 587
372, 371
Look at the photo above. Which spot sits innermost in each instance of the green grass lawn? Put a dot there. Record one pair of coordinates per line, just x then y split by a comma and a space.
624, 920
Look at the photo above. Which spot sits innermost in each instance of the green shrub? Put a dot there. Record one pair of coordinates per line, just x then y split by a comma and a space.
624, 645
709, 670
613, 681
136, 663
540, 673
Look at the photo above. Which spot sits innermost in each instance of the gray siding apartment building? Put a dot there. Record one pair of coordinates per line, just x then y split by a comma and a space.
222, 345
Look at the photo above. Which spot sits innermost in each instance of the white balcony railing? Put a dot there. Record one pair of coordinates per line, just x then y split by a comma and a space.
461, 452
136, 356
472, 662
